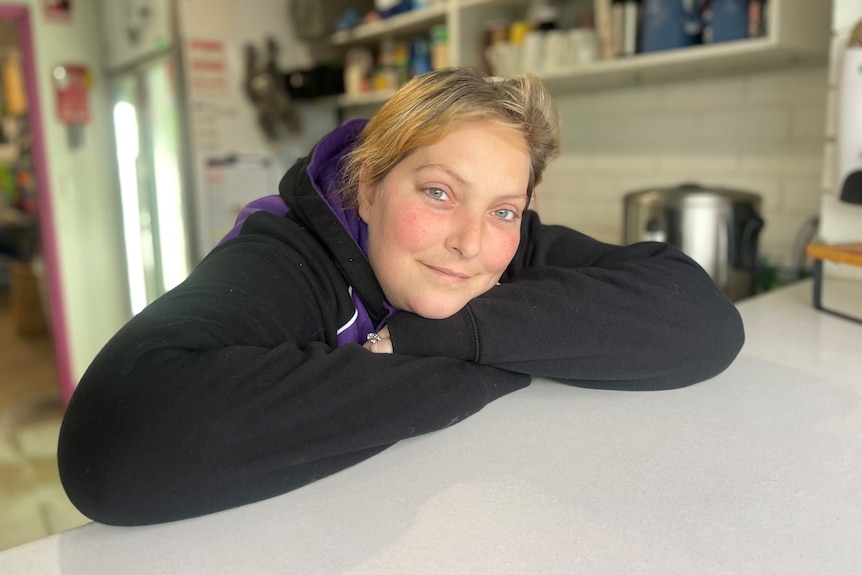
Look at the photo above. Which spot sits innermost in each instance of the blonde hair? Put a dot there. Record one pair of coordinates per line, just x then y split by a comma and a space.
431, 105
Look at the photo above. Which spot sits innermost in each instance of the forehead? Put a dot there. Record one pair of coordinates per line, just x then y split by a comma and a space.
482, 130
477, 150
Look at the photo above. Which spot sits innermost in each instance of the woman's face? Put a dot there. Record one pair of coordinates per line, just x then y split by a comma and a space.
445, 222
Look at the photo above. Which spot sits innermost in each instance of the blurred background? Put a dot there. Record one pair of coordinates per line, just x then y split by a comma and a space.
132, 131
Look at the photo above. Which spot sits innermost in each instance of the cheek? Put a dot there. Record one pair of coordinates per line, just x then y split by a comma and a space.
412, 230
500, 254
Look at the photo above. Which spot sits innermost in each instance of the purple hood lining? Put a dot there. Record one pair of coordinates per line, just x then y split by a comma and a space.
324, 173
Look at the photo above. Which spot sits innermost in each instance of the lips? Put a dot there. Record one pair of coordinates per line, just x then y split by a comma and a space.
449, 274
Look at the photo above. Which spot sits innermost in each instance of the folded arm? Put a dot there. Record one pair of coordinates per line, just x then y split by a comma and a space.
643, 316
230, 389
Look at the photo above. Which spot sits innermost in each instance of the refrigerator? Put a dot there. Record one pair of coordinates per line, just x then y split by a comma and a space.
152, 173
144, 76
190, 151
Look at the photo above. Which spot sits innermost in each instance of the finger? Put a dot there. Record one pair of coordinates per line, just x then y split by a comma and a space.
382, 346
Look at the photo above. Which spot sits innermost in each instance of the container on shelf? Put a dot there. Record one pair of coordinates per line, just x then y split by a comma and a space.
725, 21
670, 24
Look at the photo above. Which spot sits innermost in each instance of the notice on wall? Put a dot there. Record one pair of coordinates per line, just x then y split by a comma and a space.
208, 71
208, 74
231, 183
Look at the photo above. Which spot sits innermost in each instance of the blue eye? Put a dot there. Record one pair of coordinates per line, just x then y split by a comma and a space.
437, 193
505, 214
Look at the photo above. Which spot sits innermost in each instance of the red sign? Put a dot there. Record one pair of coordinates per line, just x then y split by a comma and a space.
57, 11
72, 82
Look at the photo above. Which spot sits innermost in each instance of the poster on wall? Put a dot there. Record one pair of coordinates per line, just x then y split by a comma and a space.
208, 77
57, 11
208, 71
232, 182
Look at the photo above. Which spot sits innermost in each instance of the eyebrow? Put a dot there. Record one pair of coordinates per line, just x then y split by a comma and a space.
462, 181
447, 169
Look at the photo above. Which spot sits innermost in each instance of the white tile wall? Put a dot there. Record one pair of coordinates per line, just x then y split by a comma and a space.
762, 133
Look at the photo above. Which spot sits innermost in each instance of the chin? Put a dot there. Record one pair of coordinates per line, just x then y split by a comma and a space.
437, 310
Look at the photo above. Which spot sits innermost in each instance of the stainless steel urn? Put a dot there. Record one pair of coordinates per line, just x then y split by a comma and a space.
717, 227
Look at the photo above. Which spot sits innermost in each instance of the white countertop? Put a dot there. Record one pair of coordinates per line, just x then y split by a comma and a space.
758, 470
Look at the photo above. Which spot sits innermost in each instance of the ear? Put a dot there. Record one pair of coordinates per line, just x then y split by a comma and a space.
365, 197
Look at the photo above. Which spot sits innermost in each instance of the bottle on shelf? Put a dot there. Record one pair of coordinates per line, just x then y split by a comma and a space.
440, 47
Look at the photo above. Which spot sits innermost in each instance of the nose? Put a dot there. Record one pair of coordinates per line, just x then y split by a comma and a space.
465, 235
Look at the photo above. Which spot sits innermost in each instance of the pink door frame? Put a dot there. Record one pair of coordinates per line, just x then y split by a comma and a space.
21, 16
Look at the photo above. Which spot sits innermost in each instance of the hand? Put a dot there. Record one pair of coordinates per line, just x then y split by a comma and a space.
382, 346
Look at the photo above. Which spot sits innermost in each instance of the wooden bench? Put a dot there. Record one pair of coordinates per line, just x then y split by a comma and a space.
850, 254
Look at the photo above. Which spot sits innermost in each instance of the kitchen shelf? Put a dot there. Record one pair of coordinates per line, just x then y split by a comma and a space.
403, 24
798, 33
682, 64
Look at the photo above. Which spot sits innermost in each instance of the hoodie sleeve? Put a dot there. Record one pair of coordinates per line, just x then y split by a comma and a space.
571, 308
230, 389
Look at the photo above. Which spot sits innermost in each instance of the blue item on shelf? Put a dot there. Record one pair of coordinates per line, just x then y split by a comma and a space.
420, 56
351, 18
669, 24
389, 8
725, 20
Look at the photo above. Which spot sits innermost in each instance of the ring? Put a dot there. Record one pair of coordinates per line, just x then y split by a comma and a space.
374, 337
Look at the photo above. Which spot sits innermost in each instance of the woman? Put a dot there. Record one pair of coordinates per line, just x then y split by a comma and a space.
396, 285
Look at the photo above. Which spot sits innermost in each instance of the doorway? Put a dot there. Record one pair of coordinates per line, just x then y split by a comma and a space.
29, 270
35, 375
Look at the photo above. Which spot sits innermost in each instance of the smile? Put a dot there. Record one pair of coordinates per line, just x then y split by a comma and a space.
449, 274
